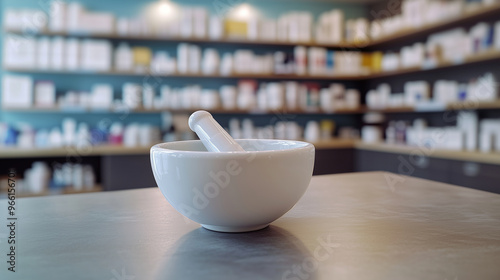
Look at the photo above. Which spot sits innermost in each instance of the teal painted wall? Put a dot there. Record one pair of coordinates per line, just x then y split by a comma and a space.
129, 8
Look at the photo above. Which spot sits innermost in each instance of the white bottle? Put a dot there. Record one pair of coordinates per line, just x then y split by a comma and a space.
226, 65
211, 62
183, 52
228, 97
124, 59
312, 132
216, 28
148, 96
194, 59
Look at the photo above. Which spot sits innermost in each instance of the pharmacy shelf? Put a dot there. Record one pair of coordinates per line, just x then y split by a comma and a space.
78, 110
475, 156
474, 15
456, 106
486, 56
341, 77
225, 41
110, 150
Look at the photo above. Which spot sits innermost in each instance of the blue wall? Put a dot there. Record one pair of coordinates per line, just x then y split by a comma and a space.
129, 8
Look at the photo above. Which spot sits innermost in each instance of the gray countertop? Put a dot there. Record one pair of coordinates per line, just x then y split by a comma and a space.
350, 226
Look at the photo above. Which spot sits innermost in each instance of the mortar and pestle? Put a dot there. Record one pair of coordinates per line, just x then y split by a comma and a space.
230, 185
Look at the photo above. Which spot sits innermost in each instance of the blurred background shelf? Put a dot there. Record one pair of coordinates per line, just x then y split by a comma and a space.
344, 77
474, 15
67, 190
225, 41
108, 150
487, 56
473, 156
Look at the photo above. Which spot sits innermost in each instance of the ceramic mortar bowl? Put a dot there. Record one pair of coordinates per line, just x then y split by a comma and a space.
233, 191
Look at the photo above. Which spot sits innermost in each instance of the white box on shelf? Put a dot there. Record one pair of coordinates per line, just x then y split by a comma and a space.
468, 123
497, 35
187, 22
101, 96
57, 15
194, 59
305, 26
216, 28
12, 20
57, 53
45, 94
19, 52
124, 58
132, 95
416, 92
17, 91
183, 58
96, 55
267, 30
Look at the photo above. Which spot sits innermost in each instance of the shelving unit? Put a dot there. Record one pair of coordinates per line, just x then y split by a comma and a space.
110, 150
468, 16
473, 15
487, 56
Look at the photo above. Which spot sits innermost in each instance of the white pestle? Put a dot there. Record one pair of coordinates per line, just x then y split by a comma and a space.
211, 134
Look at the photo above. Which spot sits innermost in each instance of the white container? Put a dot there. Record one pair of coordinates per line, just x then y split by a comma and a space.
187, 22
194, 59
124, 58
352, 98
183, 51
209, 99
211, 62
148, 96
132, 95
300, 54
292, 95
228, 97
57, 14
17, 91
200, 16
43, 53
371, 134
326, 100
